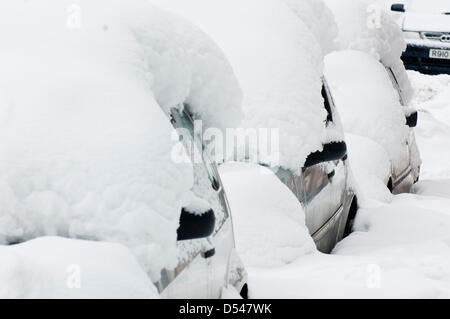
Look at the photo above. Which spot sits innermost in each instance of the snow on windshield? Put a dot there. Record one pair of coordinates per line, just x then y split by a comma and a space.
426, 6
278, 63
85, 145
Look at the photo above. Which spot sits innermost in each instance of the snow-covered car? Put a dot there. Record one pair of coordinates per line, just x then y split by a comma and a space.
87, 113
279, 65
372, 105
426, 28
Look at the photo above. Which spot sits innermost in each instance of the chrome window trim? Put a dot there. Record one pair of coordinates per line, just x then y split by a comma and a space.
336, 217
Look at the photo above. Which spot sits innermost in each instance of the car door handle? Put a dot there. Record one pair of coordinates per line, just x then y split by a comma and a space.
208, 254
331, 175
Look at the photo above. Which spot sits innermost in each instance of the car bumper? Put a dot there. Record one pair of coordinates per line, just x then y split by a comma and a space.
417, 58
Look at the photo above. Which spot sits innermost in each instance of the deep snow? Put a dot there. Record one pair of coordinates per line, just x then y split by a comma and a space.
51, 267
399, 249
269, 220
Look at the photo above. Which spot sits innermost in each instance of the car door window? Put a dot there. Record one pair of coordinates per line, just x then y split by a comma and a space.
311, 182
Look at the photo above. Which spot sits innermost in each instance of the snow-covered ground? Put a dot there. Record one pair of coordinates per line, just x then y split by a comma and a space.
54, 267
399, 249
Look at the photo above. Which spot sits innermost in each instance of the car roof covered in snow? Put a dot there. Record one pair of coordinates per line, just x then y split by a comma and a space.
426, 6
278, 63
369, 105
85, 145
319, 19
366, 26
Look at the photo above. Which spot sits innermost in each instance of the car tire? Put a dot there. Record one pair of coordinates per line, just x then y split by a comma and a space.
390, 185
244, 292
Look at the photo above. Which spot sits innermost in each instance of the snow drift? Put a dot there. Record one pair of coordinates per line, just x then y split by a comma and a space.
50, 267
268, 218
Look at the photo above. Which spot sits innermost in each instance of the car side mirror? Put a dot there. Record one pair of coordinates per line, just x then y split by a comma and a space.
398, 7
412, 119
196, 226
331, 152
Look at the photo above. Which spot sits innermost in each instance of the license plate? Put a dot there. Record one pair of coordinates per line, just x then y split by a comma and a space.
440, 54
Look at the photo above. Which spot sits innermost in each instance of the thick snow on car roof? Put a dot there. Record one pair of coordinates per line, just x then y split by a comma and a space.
278, 63
426, 6
319, 19
85, 146
369, 106
366, 26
